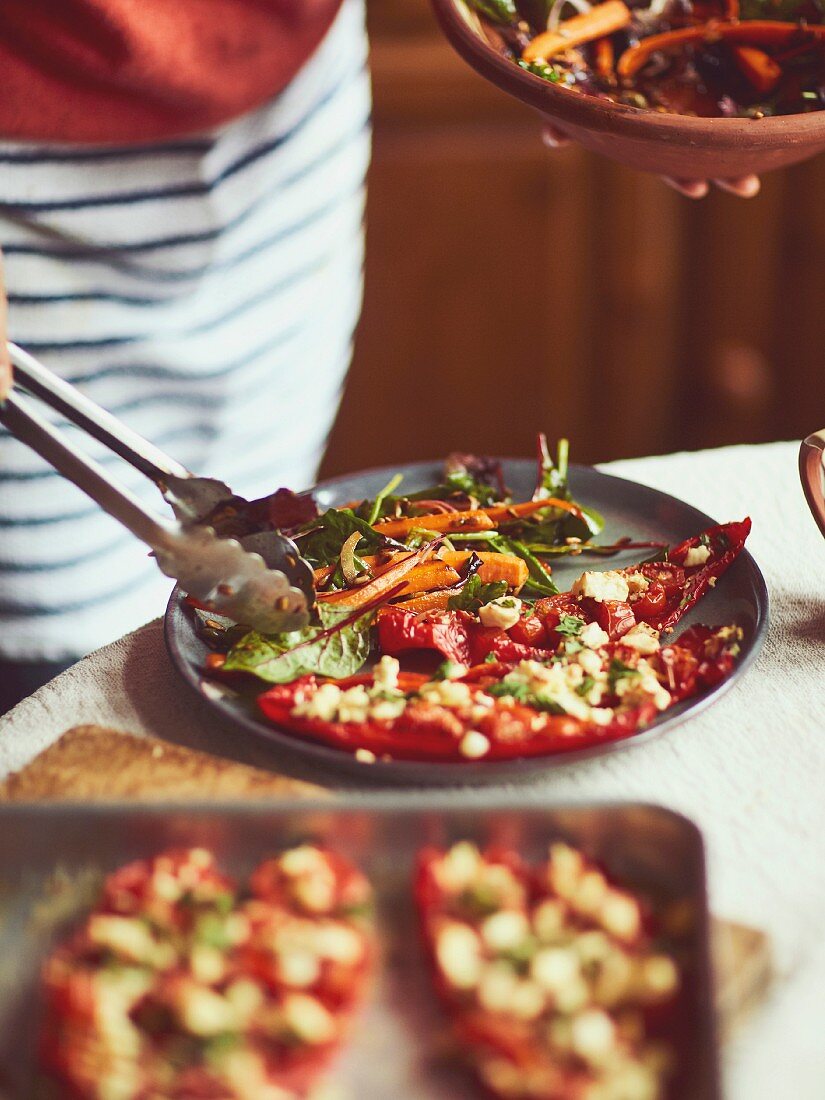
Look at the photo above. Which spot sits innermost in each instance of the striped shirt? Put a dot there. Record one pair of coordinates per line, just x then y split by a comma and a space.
205, 291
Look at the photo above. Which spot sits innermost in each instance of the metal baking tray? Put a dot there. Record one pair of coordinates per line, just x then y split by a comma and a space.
52, 859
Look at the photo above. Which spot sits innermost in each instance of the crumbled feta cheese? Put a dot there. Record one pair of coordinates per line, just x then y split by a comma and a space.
208, 965
501, 613
591, 662
458, 952
602, 716
555, 967
643, 638
637, 583
643, 687
573, 996
495, 992
385, 673
365, 756
505, 930
554, 685
697, 555
474, 745
308, 1019
590, 893
592, 636
527, 1001
246, 997
204, 1012
459, 866
593, 1035
354, 704
322, 704
303, 860
298, 968
385, 710
620, 916
548, 920
446, 693
660, 976
339, 942
609, 585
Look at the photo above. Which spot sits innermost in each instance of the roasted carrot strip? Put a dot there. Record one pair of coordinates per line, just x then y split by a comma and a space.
429, 601
480, 519
446, 523
502, 513
494, 567
599, 21
758, 67
423, 578
757, 32
604, 60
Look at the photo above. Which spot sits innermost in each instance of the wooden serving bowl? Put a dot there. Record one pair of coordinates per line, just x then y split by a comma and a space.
812, 475
680, 146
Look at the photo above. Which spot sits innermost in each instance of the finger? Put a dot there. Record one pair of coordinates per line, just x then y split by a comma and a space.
5, 362
744, 187
554, 138
691, 189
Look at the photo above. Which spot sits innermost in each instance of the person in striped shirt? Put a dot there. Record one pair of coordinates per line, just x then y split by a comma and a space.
181, 202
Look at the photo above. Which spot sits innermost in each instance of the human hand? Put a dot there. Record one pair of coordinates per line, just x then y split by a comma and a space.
5, 361
744, 187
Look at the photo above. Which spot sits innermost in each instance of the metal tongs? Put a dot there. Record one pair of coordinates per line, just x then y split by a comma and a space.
262, 581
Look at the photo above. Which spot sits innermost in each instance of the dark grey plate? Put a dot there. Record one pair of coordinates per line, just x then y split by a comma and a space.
628, 508
52, 859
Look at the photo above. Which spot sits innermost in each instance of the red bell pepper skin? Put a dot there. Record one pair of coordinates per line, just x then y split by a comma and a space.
725, 542
447, 632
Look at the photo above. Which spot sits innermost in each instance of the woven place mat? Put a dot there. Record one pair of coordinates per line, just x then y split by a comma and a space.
90, 763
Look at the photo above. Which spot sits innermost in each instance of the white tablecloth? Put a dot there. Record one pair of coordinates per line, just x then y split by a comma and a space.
750, 770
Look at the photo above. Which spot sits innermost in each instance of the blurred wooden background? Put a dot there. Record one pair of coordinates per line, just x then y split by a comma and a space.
511, 289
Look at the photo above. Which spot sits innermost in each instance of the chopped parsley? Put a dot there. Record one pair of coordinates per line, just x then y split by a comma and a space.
570, 625
619, 671
449, 670
541, 69
475, 594
586, 686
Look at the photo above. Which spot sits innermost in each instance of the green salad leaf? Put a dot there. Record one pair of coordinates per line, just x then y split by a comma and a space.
500, 11
329, 649
475, 594
321, 540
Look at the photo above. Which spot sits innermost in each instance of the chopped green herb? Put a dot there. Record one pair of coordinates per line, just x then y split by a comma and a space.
449, 670
570, 626
475, 594
541, 69
586, 686
618, 671
516, 689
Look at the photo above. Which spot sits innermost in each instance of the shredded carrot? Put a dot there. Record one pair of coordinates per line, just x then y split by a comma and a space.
494, 567
758, 31
601, 20
758, 67
380, 586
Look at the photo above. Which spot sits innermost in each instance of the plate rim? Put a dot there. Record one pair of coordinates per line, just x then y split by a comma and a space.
293, 750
